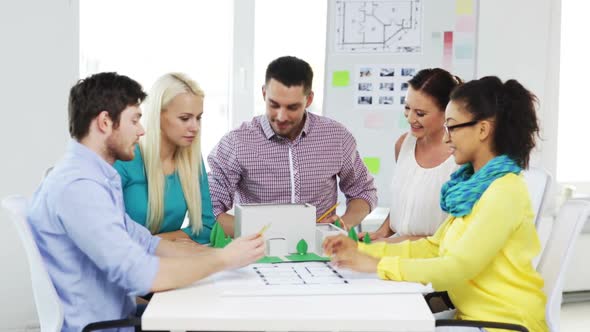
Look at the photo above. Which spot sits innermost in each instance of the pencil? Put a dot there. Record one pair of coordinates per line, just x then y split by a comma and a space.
261, 232
327, 212
342, 224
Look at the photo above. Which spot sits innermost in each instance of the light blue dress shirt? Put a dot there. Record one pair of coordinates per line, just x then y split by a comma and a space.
135, 195
98, 258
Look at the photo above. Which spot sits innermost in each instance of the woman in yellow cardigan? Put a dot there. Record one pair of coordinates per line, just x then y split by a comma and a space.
482, 254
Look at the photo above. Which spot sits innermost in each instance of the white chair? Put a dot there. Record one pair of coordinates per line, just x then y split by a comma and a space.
46, 172
538, 182
47, 302
560, 247
49, 309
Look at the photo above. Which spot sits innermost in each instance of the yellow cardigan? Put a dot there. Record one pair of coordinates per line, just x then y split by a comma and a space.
483, 260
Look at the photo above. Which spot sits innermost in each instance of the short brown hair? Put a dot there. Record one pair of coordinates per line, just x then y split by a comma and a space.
290, 71
109, 92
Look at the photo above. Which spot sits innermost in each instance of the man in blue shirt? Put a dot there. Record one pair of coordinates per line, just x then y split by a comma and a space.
98, 258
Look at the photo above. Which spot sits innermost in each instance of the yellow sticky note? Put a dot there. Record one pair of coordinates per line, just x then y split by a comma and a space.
373, 164
341, 78
464, 7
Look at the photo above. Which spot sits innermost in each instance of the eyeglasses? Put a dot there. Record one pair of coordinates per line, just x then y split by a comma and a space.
449, 129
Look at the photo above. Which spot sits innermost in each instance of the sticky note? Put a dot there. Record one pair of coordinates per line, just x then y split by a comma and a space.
464, 7
341, 78
465, 24
374, 120
464, 51
373, 164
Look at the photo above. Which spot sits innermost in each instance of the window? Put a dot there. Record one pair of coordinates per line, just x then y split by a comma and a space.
146, 39
290, 27
209, 42
573, 158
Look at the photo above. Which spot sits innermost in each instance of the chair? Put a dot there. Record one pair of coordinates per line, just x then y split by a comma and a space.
553, 265
49, 309
556, 257
47, 302
46, 173
538, 181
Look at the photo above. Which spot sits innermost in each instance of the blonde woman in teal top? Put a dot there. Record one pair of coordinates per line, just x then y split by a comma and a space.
167, 177
135, 194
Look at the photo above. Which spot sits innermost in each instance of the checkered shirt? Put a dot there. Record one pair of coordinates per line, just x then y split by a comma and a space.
262, 167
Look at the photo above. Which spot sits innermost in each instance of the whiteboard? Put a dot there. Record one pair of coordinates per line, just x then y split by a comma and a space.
372, 49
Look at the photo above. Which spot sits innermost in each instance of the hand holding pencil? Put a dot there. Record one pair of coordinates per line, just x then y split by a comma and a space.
331, 219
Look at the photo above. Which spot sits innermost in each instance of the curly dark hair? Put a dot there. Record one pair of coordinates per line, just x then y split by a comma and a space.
290, 71
437, 83
513, 109
109, 92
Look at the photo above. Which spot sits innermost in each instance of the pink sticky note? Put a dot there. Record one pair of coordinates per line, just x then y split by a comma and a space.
374, 120
465, 24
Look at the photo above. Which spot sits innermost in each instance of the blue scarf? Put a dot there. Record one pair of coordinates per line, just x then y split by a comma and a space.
460, 193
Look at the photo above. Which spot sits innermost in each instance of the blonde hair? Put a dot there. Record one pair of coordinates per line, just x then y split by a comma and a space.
187, 159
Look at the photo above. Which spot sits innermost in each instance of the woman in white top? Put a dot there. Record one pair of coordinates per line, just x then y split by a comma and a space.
423, 161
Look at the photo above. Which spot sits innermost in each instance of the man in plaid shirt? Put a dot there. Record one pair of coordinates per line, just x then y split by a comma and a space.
290, 155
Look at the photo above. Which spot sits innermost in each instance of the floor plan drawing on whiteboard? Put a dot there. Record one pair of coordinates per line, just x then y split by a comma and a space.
378, 26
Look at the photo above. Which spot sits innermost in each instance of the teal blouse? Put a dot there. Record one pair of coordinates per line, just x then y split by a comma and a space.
135, 195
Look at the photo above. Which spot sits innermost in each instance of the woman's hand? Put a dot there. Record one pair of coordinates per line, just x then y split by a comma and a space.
356, 261
344, 252
332, 244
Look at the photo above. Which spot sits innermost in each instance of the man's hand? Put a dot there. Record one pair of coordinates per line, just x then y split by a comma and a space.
189, 245
243, 251
332, 219
377, 235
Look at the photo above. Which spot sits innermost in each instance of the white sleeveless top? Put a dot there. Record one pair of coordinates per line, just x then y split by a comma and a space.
415, 206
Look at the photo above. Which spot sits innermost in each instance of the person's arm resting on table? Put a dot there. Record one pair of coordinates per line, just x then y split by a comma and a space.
492, 223
180, 267
356, 184
128, 253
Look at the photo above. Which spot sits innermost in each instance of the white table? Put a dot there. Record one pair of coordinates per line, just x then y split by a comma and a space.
204, 306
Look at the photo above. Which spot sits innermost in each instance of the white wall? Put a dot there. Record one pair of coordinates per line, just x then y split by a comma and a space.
38, 64
520, 39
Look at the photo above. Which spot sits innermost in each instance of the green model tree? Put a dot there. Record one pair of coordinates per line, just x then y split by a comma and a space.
367, 238
353, 235
302, 247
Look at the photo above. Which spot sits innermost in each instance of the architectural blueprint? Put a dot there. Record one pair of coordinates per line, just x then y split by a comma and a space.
378, 26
